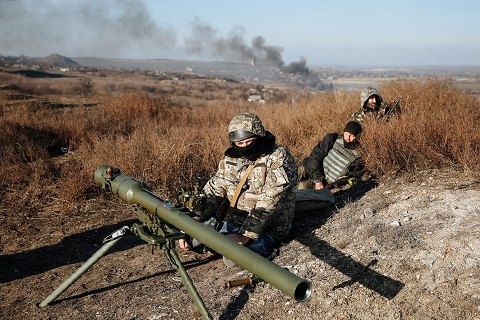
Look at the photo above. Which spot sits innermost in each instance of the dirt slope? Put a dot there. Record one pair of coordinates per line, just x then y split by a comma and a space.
407, 248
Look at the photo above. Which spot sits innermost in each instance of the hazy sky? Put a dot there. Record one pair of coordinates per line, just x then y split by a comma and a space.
320, 32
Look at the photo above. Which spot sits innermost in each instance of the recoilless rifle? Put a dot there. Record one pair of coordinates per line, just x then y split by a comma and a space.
160, 226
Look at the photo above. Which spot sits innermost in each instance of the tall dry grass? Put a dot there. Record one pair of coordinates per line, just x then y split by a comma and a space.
167, 144
438, 128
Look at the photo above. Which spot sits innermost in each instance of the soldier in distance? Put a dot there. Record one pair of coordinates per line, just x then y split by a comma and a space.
372, 105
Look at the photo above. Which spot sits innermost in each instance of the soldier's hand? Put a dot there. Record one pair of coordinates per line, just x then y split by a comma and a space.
318, 186
183, 244
238, 238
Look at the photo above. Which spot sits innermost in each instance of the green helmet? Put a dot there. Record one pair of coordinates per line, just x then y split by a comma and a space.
245, 125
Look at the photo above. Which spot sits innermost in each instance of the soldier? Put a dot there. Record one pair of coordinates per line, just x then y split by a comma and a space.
334, 161
372, 104
253, 188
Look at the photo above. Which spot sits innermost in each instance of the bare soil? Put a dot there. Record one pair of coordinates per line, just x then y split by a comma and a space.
408, 248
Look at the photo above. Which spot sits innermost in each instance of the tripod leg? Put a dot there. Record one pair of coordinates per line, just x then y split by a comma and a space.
112, 240
175, 261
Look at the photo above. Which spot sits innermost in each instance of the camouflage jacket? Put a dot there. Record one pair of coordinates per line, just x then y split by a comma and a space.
381, 111
362, 113
267, 201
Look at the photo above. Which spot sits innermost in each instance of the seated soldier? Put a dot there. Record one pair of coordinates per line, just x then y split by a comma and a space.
252, 191
334, 162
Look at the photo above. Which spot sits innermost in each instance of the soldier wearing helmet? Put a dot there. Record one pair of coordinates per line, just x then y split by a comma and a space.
371, 104
256, 179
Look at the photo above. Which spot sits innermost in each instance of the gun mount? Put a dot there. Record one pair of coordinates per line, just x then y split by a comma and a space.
161, 225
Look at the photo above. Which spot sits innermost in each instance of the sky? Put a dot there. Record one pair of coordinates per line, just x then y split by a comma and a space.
316, 32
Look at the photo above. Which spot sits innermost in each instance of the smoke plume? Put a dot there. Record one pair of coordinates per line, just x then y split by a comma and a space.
205, 40
122, 29
107, 28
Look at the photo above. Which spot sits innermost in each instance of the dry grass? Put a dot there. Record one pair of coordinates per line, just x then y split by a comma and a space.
438, 128
167, 139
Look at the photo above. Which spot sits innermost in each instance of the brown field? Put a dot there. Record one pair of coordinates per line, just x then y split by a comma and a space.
167, 130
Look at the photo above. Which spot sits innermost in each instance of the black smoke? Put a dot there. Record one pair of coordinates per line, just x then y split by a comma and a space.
299, 67
107, 28
235, 48
122, 29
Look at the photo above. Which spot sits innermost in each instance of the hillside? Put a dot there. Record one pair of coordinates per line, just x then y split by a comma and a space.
405, 249
403, 246
53, 60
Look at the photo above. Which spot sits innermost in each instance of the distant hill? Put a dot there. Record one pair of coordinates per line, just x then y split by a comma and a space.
56, 60
51, 61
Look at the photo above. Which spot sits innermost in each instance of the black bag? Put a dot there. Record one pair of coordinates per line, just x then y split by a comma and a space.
310, 202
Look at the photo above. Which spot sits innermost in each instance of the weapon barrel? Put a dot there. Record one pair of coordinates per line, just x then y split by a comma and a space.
131, 191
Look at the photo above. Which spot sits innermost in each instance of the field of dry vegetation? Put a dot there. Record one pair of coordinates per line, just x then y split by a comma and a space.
167, 140
54, 133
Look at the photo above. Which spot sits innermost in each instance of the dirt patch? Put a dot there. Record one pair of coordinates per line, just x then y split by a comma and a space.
407, 248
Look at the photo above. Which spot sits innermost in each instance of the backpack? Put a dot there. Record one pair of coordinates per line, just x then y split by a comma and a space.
309, 202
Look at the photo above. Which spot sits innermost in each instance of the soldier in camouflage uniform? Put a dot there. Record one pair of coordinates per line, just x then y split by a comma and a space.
371, 104
263, 213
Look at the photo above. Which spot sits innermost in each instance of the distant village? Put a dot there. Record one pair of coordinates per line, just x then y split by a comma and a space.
309, 79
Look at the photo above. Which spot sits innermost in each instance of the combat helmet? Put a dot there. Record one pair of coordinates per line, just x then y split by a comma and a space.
245, 125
